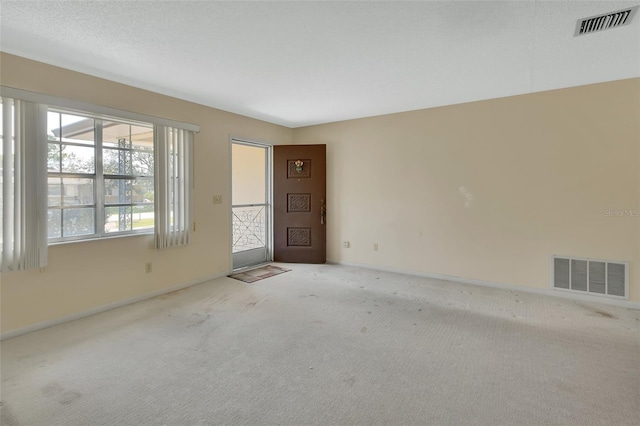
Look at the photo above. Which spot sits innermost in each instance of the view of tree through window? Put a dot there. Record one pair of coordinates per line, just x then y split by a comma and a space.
100, 176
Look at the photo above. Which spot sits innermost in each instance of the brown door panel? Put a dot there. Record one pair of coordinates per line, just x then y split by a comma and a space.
299, 184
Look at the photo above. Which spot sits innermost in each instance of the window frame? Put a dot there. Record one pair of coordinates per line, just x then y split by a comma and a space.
99, 190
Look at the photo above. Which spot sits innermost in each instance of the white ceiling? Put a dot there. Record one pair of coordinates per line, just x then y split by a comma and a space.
302, 63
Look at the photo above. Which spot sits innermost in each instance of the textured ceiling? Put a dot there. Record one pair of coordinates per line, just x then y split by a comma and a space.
301, 63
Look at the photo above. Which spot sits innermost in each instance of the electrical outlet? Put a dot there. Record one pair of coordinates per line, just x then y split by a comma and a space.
148, 267
375, 246
346, 244
217, 199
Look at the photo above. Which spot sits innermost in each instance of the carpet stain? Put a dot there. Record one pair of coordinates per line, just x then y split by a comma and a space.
351, 381
603, 314
69, 397
363, 330
201, 319
594, 312
252, 302
54, 390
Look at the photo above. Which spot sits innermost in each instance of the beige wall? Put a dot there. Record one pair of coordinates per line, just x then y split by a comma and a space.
489, 190
86, 275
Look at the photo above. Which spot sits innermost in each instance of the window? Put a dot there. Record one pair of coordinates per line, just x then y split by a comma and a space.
100, 176
72, 171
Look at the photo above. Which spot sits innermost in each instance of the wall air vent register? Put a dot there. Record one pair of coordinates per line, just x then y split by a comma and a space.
597, 277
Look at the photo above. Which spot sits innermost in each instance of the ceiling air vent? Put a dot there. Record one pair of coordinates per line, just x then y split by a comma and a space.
605, 22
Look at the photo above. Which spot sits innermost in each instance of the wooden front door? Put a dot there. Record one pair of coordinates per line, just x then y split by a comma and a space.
299, 197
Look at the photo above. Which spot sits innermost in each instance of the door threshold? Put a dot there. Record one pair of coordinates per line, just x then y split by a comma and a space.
250, 267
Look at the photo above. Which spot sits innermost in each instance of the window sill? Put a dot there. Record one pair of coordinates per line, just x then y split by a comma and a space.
102, 238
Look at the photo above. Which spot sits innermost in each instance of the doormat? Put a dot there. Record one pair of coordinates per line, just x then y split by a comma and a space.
258, 273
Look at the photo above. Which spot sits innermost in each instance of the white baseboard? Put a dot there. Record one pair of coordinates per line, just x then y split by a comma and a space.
524, 289
107, 307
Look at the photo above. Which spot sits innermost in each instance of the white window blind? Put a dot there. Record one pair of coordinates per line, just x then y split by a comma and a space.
23, 236
173, 149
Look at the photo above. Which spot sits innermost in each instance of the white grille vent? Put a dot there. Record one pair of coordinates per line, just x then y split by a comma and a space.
605, 22
600, 277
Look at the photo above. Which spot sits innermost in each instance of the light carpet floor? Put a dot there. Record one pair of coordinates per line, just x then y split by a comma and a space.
331, 345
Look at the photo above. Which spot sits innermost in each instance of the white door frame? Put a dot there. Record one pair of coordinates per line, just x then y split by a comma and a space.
268, 256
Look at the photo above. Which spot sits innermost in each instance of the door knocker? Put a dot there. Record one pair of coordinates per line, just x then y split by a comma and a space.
299, 164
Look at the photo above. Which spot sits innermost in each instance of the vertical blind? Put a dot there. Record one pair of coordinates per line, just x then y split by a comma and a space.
23, 236
173, 186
